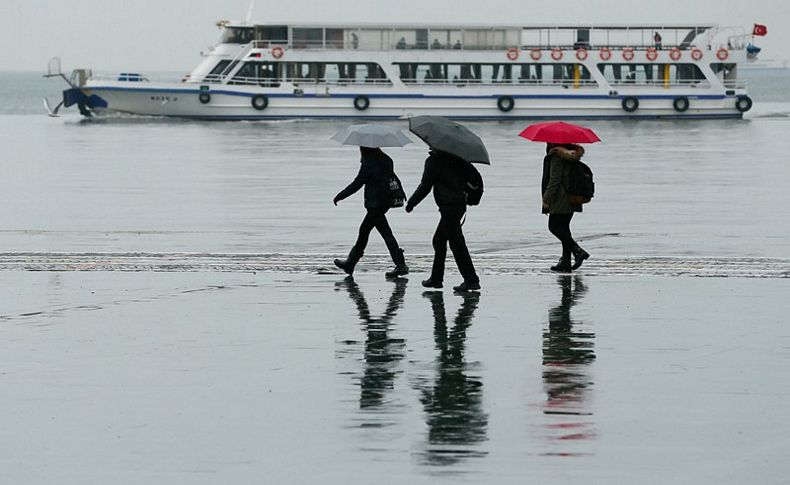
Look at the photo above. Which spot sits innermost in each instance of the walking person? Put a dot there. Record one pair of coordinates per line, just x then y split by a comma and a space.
557, 202
382, 191
567, 183
374, 173
444, 174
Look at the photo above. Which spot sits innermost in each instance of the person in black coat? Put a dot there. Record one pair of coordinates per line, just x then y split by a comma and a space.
374, 172
445, 175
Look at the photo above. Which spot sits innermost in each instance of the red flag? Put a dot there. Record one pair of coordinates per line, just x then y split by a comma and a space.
760, 30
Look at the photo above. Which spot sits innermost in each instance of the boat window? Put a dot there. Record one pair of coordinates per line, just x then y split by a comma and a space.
616, 74
549, 74
222, 69
335, 73
308, 38
265, 74
238, 35
271, 35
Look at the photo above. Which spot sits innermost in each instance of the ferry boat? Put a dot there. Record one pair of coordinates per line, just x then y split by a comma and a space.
471, 72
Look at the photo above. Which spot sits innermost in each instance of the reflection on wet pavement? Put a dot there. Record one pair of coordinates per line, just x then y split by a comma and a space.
382, 353
453, 403
567, 354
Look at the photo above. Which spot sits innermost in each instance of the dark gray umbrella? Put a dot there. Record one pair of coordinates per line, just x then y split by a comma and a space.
448, 136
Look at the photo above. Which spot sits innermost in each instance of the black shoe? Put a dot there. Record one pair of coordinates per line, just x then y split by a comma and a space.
429, 283
348, 265
345, 266
466, 286
400, 270
579, 255
564, 266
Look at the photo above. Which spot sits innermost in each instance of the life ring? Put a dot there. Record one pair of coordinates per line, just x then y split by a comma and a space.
582, 54
361, 103
277, 52
696, 54
205, 98
722, 54
605, 54
743, 104
628, 54
506, 104
630, 104
675, 54
681, 104
260, 102
536, 54
512, 53
651, 54
556, 54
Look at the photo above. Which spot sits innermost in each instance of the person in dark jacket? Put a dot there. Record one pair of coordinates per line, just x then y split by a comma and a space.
556, 178
374, 172
444, 174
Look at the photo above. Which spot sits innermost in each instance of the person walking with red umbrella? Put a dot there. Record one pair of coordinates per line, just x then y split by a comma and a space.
559, 200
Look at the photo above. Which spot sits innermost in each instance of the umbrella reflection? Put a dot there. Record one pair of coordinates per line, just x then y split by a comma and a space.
567, 354
382, 353
454, 403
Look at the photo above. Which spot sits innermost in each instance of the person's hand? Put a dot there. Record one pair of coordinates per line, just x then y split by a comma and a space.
335, 201
409, 209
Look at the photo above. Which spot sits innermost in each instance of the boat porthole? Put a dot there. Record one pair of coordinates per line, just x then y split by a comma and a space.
681, 104
205, 98
260, 102
361, 103
743, 104
630, 104
505, 104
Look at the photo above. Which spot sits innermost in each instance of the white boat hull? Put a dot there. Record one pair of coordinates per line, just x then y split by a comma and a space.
229, 102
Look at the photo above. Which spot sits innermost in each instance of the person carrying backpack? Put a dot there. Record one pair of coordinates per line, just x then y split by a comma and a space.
382, 191
561, 199
446, 175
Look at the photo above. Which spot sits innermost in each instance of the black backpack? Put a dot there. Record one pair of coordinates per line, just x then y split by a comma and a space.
395, 192
473, 184
581, 188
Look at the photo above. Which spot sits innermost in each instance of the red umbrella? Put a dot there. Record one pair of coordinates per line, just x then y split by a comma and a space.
560, 133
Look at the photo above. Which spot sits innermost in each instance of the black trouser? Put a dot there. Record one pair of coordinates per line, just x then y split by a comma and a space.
449, 230
376, 218
560, 226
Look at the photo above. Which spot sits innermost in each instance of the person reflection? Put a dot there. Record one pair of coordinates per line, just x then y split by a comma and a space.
567, 353
454, 404
382, 353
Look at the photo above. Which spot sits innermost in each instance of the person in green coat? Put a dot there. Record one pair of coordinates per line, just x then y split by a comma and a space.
556, 203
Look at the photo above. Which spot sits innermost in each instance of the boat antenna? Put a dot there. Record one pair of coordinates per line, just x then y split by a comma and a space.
249, 12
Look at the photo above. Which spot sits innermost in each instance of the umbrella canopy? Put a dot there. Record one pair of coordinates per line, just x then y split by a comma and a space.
560, 133
371, 136
447, 136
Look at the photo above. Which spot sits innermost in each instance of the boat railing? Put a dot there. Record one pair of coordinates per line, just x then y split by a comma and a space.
564, 83
658, 83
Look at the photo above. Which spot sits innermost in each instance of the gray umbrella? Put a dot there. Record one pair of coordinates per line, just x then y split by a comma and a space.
372, 136
448, 136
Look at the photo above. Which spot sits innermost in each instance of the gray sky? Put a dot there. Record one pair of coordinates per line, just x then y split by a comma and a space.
168, 35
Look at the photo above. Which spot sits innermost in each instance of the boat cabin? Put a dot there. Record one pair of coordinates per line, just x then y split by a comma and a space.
384, 38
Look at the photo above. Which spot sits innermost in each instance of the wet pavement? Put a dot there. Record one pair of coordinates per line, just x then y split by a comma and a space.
207, 377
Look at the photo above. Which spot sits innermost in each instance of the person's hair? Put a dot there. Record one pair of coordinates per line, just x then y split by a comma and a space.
367, 151
567, 146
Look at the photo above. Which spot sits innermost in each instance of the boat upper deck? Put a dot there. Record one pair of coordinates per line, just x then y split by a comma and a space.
371, 37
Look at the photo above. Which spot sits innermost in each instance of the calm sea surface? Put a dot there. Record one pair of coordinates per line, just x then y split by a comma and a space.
706, 188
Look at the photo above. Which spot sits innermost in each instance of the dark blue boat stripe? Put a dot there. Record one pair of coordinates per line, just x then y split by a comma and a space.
463, 118
407, 96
